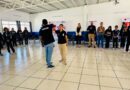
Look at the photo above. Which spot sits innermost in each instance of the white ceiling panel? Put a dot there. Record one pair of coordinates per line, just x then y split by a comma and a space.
36, 6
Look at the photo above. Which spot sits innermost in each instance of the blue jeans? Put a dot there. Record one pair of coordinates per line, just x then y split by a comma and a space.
49, 51
100, 39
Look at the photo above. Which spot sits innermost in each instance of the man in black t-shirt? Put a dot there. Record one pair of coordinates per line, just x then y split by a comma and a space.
62, 42
46, 37
92, 34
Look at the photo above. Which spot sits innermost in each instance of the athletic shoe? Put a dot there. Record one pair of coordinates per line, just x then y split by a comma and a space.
51, 66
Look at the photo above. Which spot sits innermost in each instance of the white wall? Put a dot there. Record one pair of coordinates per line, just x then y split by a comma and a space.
109, 13
12, 15
71, 16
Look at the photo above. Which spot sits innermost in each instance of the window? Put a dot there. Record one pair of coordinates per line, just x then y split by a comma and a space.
10, 25
25, 24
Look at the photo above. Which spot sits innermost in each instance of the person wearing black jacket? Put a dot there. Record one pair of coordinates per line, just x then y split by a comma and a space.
26, 35
128, 39
123, 35
115, 37
7, 38
91, 35
14, 37
108, 36
46, 37
20, 37
1, 44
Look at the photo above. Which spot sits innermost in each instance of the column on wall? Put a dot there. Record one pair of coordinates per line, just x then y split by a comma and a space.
1, 26
18, 25
30, 23
85, 19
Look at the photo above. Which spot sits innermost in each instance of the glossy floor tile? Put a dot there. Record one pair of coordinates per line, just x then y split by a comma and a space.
86, 69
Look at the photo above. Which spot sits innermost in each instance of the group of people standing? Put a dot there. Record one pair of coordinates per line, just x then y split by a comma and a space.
98, 36
10, 38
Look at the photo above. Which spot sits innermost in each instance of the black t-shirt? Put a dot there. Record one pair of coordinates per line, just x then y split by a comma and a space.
61, 36
46, 34
91, 29
108, 33
115, 33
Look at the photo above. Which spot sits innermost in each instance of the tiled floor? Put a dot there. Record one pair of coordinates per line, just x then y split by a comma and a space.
87, 69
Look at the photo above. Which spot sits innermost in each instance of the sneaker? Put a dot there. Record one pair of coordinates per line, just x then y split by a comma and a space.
51, 66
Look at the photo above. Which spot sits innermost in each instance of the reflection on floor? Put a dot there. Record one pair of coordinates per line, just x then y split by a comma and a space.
87, 69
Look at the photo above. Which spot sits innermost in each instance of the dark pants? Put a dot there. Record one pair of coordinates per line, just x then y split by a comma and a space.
108, 39
128, 44
10, 46
78, 39
100, 40
26, 41
123, 40
115, 42
20, 41
14, 42
0, 47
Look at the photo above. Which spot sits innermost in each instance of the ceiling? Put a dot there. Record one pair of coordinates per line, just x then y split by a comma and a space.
37, 6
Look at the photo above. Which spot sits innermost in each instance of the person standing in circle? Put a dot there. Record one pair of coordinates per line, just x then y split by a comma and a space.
62, 42
78, 35
108, 36
115, 37
91, 35
8, 38
46, 37
14, 37
26, 35
100, 35
20, 36
1, 46
128, 39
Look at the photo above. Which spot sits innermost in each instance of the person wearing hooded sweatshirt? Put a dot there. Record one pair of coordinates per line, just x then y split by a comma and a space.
108, 36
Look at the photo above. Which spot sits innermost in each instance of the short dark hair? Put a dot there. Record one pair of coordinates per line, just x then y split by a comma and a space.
44, 22
116, 26
61, 25
5, 28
